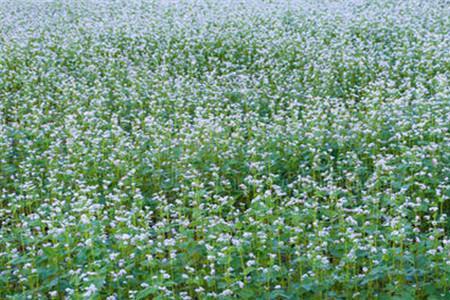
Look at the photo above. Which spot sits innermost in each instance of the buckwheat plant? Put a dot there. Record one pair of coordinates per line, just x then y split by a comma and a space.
212, 149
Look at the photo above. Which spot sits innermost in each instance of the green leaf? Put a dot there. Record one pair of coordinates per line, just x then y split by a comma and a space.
143, 294
246, 293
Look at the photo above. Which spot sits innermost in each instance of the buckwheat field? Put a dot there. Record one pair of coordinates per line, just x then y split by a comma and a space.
238, 149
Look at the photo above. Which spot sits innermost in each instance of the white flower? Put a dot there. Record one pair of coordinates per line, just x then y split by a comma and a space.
90, 291
84, 219
53, 294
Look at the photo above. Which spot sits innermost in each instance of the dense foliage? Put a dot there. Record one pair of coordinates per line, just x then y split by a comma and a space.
224, 149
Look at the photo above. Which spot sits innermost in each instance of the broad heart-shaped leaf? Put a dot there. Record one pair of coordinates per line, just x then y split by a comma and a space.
403, 297
143, 294
52, 283
407, 293
246, 293
248, 270
278, 295
46, 273
432, 292
308, 285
